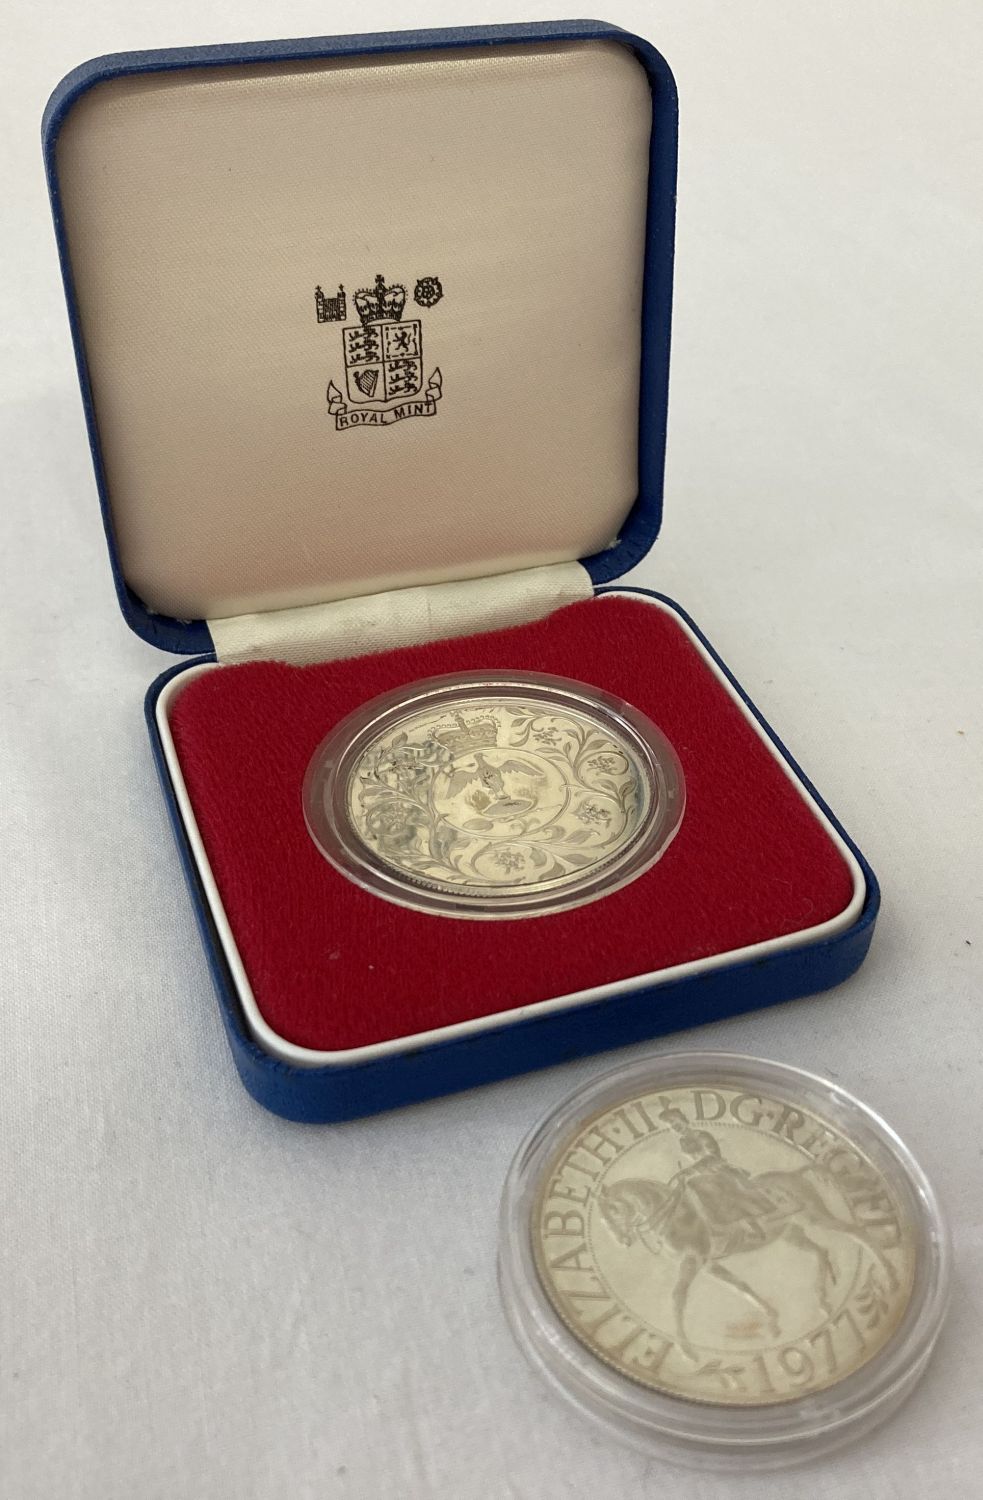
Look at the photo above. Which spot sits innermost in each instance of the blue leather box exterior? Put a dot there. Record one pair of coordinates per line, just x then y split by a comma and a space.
342, 1091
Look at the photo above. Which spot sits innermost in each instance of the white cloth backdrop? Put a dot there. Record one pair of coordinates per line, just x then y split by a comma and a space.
201, 1302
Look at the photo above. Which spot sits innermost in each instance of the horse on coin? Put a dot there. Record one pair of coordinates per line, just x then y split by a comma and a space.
711, 1210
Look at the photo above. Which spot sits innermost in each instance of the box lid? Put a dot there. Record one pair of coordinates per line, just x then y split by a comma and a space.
353, 314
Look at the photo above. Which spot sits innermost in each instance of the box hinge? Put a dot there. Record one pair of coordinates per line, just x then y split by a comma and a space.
399, 617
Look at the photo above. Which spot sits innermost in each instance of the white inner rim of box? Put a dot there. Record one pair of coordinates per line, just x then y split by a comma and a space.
307, 1057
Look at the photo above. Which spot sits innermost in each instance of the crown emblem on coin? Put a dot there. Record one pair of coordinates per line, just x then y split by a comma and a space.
382, 303
480, 734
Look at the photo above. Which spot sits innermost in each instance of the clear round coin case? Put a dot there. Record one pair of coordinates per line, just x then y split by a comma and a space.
494, 795
723, 1261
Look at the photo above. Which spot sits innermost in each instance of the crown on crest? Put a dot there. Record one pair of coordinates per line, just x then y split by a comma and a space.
480, 734
384, 303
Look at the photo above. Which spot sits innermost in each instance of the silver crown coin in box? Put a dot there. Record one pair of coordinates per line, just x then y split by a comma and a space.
494, 795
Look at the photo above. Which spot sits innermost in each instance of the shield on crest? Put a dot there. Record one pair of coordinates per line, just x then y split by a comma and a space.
383, 361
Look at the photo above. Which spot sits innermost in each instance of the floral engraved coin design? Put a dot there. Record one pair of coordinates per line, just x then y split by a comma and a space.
494, 799
497, 794
723, 1246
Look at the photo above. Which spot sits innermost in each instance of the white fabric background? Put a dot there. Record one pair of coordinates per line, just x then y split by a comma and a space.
199, 1301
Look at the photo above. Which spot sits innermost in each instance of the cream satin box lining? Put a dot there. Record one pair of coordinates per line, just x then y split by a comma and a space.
305, 1057
203, 205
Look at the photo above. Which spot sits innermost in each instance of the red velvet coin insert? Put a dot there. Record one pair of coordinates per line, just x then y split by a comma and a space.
333, 967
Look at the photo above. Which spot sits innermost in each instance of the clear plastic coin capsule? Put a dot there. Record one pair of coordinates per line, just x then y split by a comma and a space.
494, 795
724, 1261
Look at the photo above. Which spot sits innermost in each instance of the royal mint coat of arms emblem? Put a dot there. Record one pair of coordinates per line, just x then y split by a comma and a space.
383, 355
